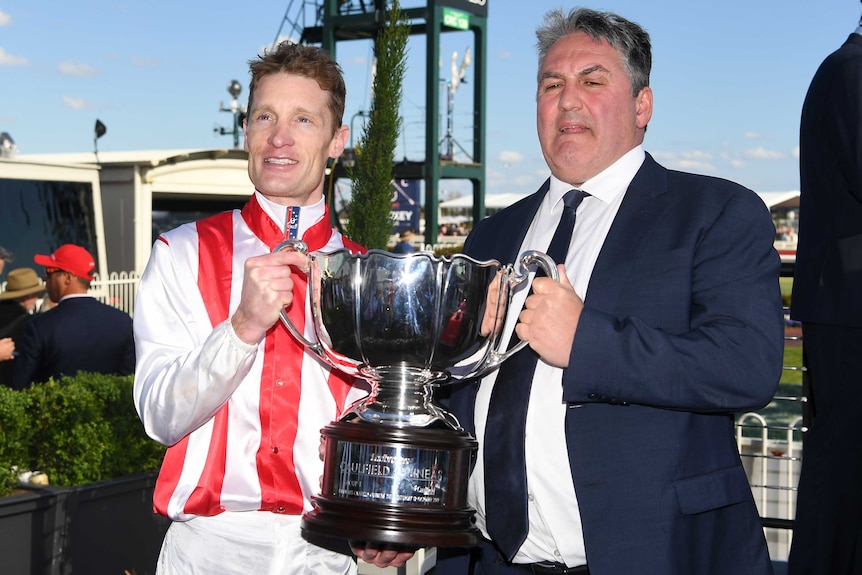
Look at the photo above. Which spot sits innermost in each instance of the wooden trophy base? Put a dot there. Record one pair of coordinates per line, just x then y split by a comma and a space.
395, 486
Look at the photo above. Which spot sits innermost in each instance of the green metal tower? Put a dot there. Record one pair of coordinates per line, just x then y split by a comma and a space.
333, 21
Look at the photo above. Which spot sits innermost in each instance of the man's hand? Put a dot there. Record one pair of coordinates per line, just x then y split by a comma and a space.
7, 349
267, 288
381, 556
550, 318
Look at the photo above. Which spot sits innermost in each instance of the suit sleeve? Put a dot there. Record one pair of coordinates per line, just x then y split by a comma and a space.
29, 357
848, 126
726, 352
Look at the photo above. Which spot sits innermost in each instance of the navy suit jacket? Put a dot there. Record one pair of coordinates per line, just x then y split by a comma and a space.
682, 327
79, 334
827, 281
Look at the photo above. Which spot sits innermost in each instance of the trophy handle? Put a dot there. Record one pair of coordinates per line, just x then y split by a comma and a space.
519, 275
301, 247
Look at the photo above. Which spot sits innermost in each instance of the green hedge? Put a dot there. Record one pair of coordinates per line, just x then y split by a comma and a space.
77, 429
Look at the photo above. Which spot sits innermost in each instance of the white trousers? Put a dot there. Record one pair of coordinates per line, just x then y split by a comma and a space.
246, 543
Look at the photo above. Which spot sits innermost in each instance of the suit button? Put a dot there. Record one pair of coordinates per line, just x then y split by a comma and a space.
592, 396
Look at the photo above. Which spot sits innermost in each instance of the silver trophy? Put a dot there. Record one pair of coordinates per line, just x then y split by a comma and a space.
396, 464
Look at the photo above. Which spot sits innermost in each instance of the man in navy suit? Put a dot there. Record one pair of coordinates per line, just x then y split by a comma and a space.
827, 299
80, 333
666, 320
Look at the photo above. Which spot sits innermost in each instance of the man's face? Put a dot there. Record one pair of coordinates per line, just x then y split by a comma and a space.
586, 115
289, 137
29, 302
56, 281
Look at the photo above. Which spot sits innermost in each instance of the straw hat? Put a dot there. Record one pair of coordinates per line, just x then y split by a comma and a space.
22, 282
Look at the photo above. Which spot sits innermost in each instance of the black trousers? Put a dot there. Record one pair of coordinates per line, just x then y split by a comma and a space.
827, 531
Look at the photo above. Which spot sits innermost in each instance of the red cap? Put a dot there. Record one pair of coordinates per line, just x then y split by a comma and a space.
70, 258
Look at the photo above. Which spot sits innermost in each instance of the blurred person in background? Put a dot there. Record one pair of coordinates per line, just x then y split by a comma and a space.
404, 246
80, 333
17, 303
7, 346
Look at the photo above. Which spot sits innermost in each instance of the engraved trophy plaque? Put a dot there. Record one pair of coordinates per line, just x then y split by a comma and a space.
396, 464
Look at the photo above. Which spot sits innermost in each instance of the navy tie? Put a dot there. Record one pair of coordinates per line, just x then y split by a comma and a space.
504, 457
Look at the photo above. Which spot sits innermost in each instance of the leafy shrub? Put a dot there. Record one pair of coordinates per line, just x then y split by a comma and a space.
77, 429
15, 436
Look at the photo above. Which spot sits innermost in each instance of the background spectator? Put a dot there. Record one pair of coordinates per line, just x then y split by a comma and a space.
80, 333
17, 304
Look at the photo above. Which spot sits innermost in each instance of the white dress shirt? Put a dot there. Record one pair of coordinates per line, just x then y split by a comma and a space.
554, 518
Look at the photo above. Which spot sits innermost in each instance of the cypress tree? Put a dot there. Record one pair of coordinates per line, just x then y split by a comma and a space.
370, 207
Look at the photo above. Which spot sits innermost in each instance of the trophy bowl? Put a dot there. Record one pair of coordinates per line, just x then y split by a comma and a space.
396, 464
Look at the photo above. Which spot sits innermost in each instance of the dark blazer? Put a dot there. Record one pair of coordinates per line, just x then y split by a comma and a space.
827, 280
79, 334
682, 327
827, 299
13, 320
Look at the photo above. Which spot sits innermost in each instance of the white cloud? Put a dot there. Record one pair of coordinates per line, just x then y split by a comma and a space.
530, 180
10, 60
761, 153
76, 69
357, 60
76, 103
144, 62
281, 38
691, 161
696, 155
5, 19
692, 166
795, 152
737, 163
504, 54
753, 136
511, 157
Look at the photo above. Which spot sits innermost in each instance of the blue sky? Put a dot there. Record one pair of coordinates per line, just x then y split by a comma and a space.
728, 77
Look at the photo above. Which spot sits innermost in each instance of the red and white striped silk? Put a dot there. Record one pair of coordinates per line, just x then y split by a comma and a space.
242, 421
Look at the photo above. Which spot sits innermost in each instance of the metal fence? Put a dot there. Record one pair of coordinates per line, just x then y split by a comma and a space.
771, 453
118, 290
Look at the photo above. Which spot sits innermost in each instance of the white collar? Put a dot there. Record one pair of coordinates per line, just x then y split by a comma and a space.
308, 215
606, 185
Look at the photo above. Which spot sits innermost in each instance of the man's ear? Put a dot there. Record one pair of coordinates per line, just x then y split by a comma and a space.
339, 140
643, 103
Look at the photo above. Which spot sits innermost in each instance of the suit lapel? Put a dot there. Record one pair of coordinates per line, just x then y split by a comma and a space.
641, 210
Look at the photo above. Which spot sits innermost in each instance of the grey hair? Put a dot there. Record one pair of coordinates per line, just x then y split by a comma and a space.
628, 38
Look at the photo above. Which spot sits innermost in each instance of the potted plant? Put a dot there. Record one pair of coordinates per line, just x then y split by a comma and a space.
96, 515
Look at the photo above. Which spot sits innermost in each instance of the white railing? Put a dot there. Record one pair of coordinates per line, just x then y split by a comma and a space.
119, 290
771, 453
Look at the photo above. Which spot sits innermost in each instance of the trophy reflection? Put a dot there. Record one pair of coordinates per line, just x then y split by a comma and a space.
396, 464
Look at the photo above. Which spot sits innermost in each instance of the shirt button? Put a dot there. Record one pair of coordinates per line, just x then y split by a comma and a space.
279, 383
531, 497
557, 554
